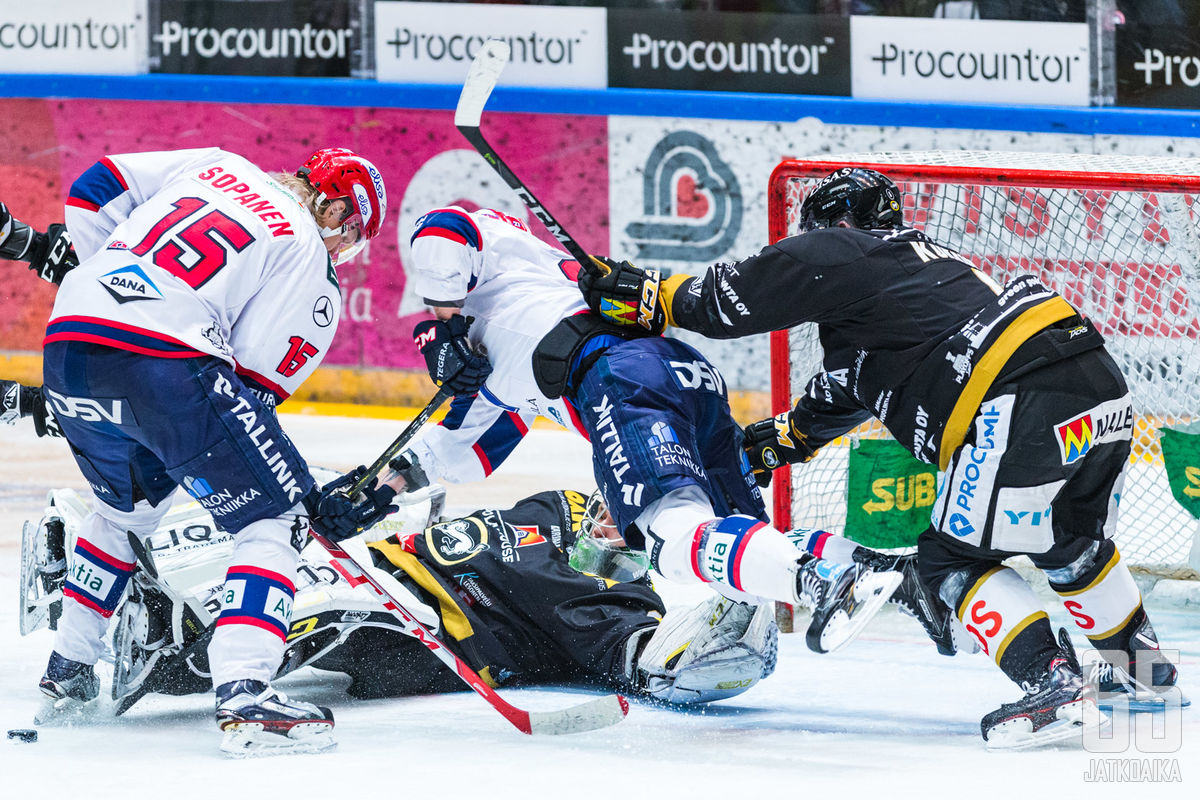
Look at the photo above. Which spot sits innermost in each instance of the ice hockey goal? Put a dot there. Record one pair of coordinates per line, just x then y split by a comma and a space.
1119, 237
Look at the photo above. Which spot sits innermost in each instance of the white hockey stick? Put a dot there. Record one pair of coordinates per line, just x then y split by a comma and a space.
597, 713
481, 80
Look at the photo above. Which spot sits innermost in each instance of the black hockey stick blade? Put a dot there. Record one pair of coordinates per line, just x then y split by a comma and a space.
481, 80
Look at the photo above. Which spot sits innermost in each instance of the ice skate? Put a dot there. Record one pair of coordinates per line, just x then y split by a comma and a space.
69, 687
259, 720
914, 599
1053, 710
1116, 685
843, 598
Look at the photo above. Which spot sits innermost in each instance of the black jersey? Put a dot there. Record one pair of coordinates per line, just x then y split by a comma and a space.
912, 332
509, 603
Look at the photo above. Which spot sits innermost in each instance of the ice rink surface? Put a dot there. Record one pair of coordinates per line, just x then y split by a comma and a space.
887, 717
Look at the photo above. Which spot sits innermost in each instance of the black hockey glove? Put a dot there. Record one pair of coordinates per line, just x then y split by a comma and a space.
448, 355
623, 294
49, 254
770, 443
333, 514
17, 402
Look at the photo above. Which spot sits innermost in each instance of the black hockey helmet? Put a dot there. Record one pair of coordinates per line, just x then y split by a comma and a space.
863, 197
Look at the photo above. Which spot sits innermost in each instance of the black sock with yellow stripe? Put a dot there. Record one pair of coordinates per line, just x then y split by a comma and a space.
1003, 614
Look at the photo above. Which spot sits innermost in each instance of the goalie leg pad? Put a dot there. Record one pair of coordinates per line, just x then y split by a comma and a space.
716, 649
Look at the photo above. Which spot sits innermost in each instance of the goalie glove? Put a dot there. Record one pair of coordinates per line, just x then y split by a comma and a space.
17, 402
448, 354
50, 254
623, 294
710, 651
334, 514
770, 443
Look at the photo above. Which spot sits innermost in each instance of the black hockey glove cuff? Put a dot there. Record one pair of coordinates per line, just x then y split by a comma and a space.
333, 514
448, 354
17, 402
770, 443
623, 294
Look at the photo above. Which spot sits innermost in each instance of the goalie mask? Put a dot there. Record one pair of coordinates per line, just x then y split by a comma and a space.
600, 550
340, 174
863, 198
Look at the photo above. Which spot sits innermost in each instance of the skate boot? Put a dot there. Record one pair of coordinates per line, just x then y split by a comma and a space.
1114, 683
843, 598
1052, 710
258, 720
69, 686
914, 599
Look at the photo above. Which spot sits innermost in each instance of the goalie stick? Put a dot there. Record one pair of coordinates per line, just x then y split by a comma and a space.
481, 80
597, 713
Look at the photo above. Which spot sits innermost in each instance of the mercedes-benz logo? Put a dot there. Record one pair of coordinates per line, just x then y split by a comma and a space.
323, 312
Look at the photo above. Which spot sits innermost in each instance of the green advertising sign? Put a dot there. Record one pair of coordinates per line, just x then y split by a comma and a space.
890, 495
1181, 455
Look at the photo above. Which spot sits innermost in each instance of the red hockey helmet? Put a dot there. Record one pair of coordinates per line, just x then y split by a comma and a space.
340, 174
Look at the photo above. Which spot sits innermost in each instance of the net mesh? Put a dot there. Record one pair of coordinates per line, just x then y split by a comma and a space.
1118, 237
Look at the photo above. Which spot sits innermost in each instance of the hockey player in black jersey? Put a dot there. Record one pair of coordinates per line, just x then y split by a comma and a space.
520, 594
1007, 389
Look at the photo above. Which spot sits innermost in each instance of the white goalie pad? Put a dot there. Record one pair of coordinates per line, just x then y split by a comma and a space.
44, 548
711, 651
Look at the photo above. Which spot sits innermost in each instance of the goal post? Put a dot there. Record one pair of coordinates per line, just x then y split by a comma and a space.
1118, 237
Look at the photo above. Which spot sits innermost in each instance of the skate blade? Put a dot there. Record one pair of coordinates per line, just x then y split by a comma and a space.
64, 711
1018, 734
250, 740
1143, 702
868, 595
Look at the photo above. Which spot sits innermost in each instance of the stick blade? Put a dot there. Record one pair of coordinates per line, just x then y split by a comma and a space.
481, 80
598, 713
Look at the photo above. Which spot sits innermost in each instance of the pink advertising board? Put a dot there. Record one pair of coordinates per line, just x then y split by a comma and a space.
45, 144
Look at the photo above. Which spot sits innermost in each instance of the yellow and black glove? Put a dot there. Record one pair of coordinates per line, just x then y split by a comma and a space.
772, 442
624, 294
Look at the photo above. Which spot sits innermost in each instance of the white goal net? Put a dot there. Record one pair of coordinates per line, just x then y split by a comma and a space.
1118, 237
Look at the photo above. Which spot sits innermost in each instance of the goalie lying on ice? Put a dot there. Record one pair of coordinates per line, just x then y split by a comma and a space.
496, 585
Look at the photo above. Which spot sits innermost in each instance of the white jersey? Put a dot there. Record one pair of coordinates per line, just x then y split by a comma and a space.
192, 252
516, 287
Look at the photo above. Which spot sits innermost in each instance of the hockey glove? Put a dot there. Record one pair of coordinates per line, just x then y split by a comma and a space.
770, 443
17, 402
49, 254
623, 294
332, 513
448, 355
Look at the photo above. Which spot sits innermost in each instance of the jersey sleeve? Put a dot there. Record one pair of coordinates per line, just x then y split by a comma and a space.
475, 437
825, 411
447, 246
282, 334
106, 193
807, 278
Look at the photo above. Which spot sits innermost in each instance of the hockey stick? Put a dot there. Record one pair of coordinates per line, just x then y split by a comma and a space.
481, 80
597, 713
393, 449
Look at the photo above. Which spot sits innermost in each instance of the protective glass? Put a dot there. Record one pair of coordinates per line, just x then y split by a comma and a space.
347, 237
600, 550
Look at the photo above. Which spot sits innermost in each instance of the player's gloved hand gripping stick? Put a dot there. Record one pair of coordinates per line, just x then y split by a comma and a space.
620, 292
597, 713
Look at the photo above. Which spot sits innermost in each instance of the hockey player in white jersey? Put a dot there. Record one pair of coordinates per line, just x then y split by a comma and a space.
205, 293
667, 454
